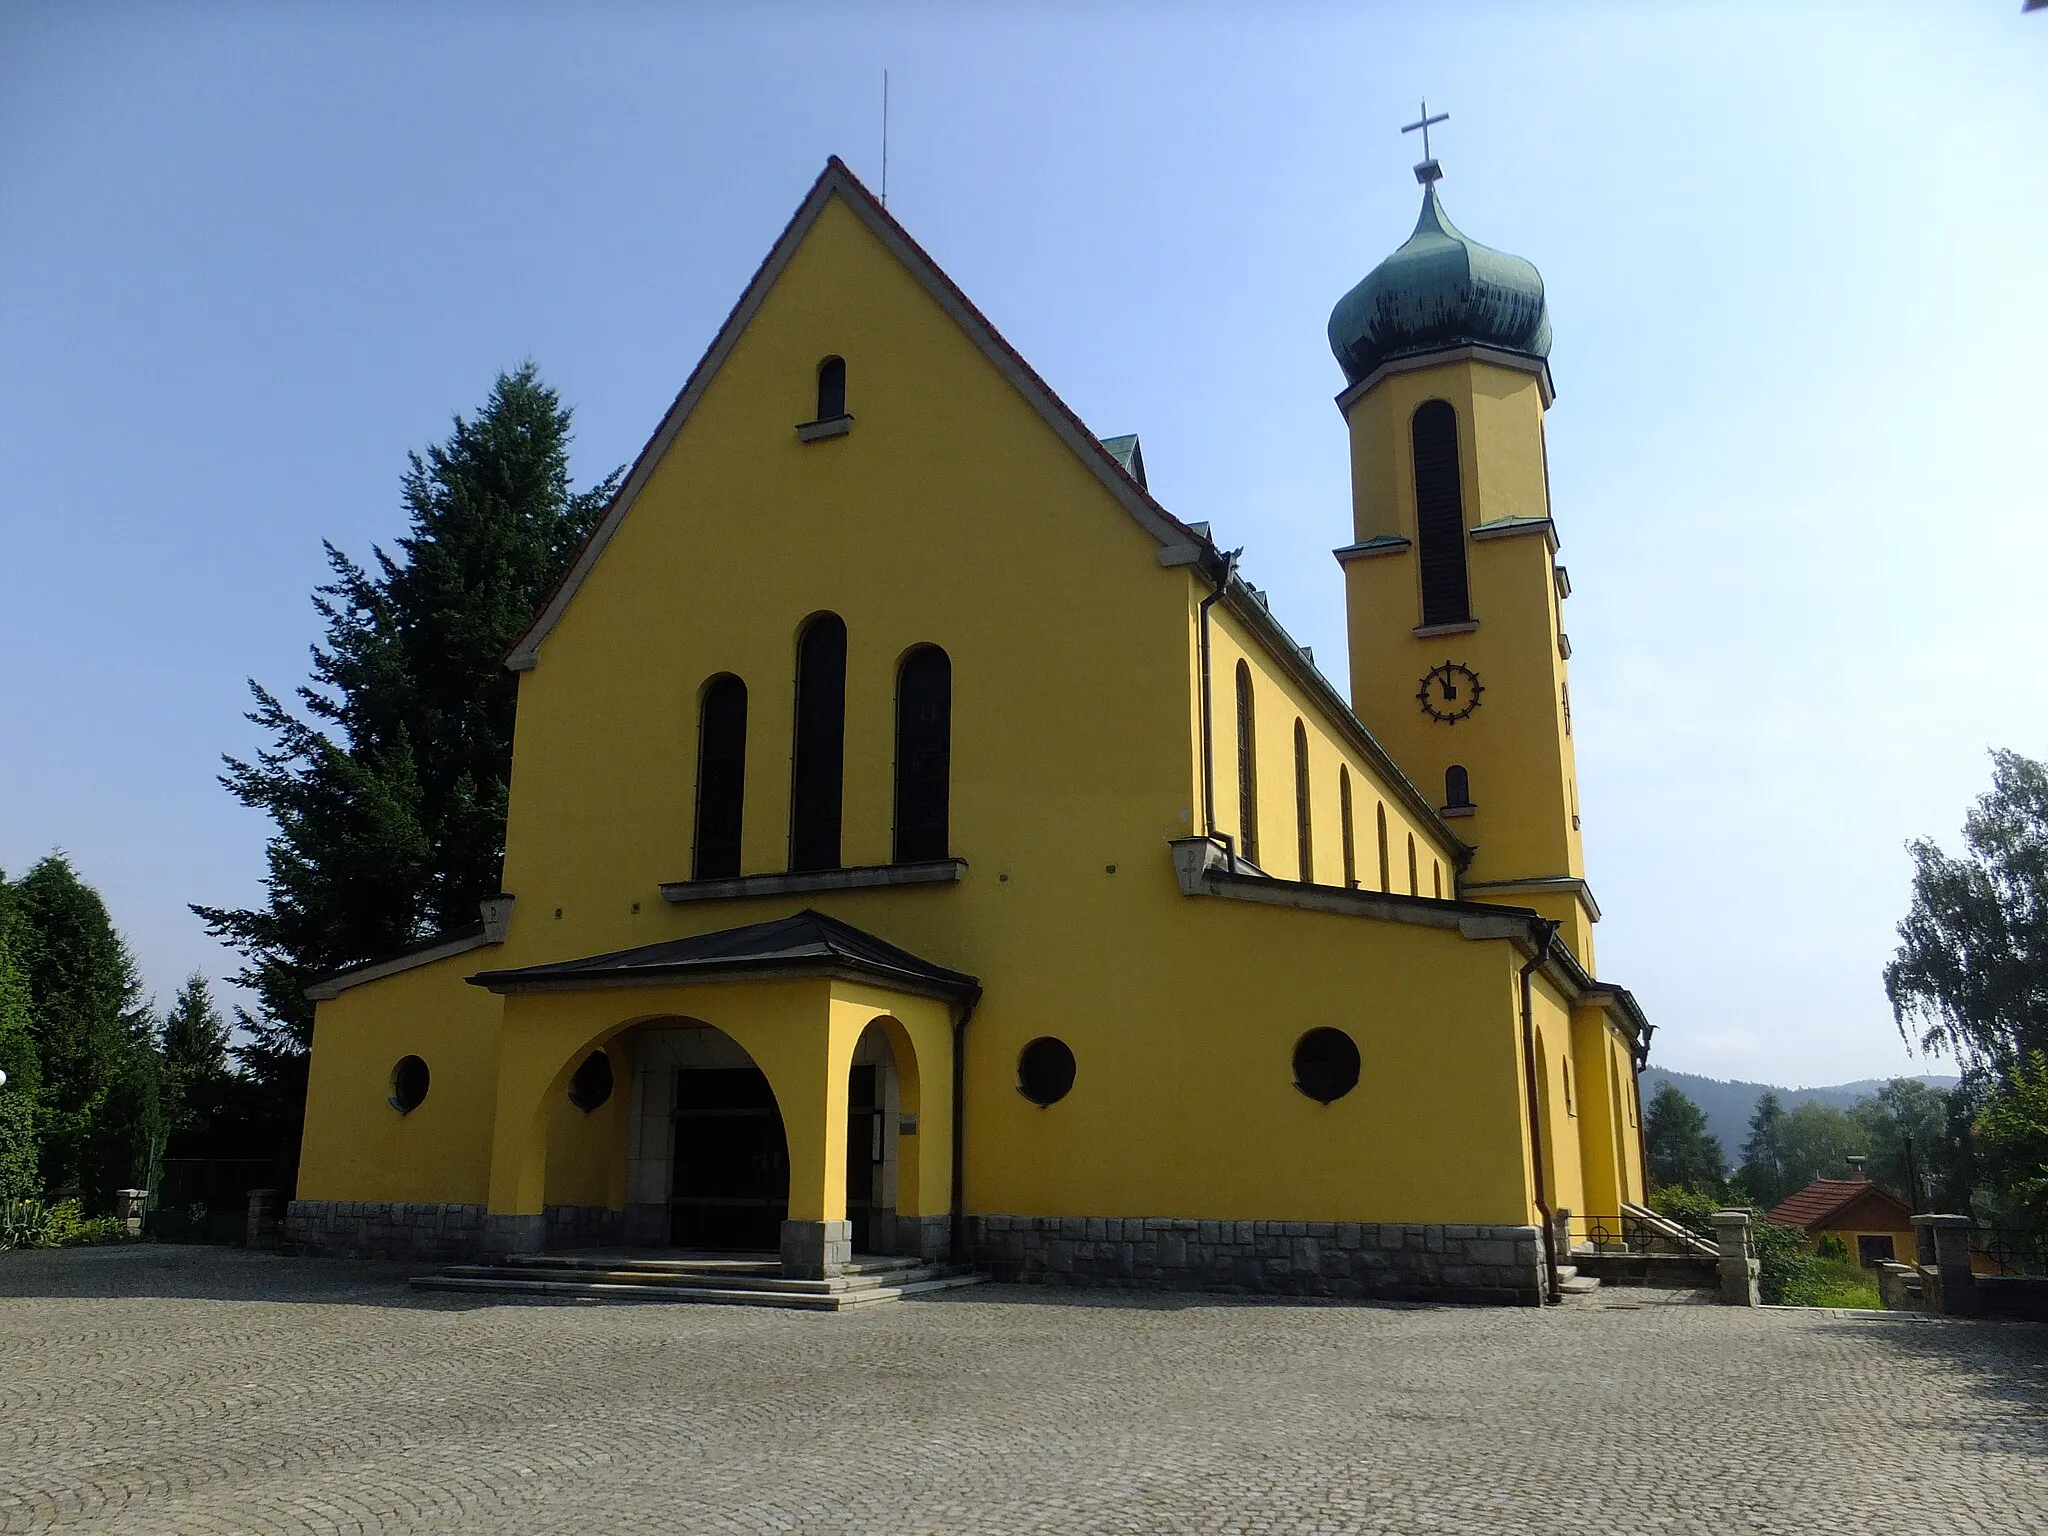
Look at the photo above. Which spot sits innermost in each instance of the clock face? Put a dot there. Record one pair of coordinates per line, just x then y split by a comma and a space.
1450, 692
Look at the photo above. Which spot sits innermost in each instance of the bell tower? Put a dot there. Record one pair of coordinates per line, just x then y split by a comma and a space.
1454, 594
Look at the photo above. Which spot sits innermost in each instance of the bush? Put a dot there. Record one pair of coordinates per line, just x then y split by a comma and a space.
1826, 1282
1785, 1272
34, 1224
1831, 1247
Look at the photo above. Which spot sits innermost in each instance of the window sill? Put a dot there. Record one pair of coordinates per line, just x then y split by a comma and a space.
799, 882
831, 426
1452, 812
1462, 627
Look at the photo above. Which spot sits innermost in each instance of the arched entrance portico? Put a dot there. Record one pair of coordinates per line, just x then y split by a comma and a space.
708, 1163
794, 1021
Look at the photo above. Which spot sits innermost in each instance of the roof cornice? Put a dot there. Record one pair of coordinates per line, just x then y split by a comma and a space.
1469, 353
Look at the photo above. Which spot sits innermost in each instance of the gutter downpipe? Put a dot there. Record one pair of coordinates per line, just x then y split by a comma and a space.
957, 1238
1642, 1060
1208, 711
1544, 931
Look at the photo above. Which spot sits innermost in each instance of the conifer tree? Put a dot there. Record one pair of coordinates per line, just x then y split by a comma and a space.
1677, 1144
94, 1037
387, 784
195, 1051
20, 1173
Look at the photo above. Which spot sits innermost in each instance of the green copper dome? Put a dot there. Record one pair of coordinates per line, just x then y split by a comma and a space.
1441, 289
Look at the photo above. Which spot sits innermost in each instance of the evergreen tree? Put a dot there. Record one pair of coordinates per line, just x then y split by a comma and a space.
1762, 1172
20, 1170
195, 1051
1676, 1142
94, 1038
1972, 966
388, 792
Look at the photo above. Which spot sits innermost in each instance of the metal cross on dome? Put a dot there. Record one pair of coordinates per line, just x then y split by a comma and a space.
1428, 170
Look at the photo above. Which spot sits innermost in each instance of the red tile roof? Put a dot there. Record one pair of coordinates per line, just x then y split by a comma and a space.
1825, 1201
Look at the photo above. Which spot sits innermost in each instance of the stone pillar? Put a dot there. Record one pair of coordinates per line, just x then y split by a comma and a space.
816, 1250
128, 1204
1739, 1265
1561, 1234
262, 1228
1943, 1243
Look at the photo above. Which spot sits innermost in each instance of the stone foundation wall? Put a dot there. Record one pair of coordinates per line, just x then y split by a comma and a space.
1500, 1265
398, 1229
583, 1226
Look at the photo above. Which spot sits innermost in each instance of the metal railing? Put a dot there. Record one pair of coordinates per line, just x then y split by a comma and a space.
2011, 1250
1629, 1234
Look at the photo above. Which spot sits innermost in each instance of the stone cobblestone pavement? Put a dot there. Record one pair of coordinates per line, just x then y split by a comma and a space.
205, 1390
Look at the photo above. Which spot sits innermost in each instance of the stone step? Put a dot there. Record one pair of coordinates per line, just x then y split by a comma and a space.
1662, 1271
665, 1277
1577, 1285
734, 1266
502, 1283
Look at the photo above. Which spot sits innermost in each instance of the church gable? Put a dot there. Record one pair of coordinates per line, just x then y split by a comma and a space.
837, 188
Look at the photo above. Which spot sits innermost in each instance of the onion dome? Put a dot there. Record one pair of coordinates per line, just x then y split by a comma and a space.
1441, 289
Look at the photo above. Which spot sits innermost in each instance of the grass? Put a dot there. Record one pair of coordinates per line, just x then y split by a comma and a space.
1834, 1283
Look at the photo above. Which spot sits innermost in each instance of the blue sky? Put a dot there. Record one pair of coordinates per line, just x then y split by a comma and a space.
250, 256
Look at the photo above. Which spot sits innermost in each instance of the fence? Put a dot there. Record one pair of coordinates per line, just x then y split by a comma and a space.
206, 1199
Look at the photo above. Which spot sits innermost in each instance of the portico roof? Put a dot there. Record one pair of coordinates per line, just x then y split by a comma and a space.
808, 944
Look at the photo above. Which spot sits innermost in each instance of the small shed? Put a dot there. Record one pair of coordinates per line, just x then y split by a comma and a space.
1872, 1222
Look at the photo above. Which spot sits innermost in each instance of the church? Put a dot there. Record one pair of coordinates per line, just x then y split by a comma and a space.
921, 842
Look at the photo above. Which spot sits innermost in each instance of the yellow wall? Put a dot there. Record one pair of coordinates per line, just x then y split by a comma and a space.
951, 514
356, 1146
1277, 704
1515, 745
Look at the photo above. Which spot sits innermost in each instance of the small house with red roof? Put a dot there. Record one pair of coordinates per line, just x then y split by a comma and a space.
1871, 1221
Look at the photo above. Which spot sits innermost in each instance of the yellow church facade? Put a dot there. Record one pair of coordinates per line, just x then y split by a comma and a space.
922, 842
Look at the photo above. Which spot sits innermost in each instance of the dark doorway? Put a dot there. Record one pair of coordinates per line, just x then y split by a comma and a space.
863, 1154
731, 1162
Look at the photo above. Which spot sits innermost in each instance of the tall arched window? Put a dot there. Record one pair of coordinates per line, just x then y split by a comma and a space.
721, 778
1440, 514
1247, 768
831, 388
818, 771
1414, 881
1436, 879
1457, 786
924, 748
1386, 867
1350, 837
1304, 831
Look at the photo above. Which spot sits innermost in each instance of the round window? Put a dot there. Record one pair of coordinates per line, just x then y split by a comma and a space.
592, 1084
408, 1085
1045, 1071
1325, 1064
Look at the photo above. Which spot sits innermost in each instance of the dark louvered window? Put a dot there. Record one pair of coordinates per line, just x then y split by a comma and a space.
924, 746
1440, 515
1457, 786
818, 774
721, 778
1350, 837
831, 388
1304, 831
1247, 768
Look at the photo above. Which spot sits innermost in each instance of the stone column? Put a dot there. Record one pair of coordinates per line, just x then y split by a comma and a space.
1943, 1244
128, 1204
1739, 1265
816, 1250
261, 1231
